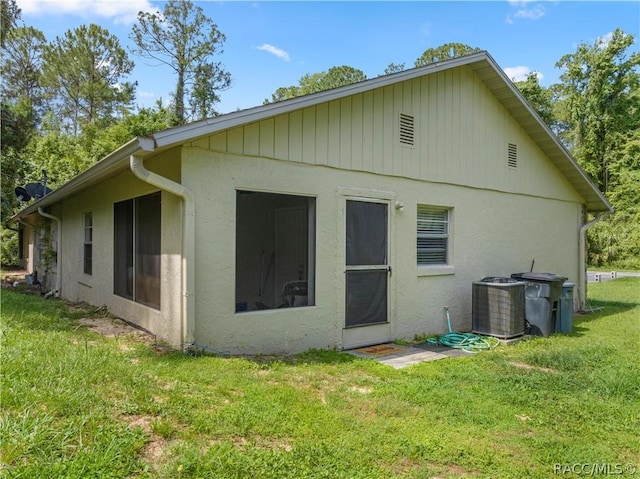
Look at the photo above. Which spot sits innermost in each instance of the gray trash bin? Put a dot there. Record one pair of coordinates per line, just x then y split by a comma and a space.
541, 294
564, 319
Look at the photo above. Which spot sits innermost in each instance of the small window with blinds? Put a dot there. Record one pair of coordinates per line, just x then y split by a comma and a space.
433, 236
407, 129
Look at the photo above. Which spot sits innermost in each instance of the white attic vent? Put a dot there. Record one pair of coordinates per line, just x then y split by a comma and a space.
407, 129
512, 155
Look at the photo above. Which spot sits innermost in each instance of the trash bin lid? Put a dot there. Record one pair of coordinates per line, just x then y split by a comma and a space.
540, 277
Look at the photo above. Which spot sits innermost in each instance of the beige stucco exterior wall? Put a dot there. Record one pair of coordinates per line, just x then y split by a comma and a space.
97, 288
502, 217
493, 234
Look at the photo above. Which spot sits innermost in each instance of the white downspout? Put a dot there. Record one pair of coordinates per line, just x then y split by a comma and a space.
56, 291
582, 281
188, 243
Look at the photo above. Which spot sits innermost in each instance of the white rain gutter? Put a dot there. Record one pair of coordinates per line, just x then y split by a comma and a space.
56, 291
136, 164
582, 280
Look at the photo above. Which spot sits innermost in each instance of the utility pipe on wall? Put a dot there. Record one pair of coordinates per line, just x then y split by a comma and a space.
56, 291
582, 263
188, 242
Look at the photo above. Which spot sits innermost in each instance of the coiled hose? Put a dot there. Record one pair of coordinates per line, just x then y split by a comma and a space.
468, 342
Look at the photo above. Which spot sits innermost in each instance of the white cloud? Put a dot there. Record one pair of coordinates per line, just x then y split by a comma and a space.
604, 40
274, 51
425, 28
120, 11
520, 73
526, 9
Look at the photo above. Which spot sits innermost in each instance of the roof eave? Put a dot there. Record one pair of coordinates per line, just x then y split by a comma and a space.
115, 161
595, 201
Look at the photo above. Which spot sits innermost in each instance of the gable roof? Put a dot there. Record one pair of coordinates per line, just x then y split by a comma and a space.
481, 63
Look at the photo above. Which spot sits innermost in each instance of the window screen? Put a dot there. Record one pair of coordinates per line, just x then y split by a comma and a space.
433, 235
366, 233
88, 244
275, 251
137, 249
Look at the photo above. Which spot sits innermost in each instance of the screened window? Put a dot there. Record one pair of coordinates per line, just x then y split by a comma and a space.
137, 249
275, 251
433, 236
88, 243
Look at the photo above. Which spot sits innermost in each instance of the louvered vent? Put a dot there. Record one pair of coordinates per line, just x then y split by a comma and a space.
512, 155
406, 129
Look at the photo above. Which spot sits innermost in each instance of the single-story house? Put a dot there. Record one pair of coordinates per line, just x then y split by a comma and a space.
339, 219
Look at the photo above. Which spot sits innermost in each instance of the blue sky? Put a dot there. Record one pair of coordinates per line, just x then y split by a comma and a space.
272, 44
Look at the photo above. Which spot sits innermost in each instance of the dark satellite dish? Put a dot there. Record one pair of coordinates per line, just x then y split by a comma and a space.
36, 190
22, 194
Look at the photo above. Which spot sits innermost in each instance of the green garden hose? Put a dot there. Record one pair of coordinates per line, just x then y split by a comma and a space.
468, 342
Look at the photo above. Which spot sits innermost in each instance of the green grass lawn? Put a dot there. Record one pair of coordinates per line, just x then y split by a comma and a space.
76, 404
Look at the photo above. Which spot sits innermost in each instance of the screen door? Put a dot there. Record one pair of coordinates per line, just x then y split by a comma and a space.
367, 267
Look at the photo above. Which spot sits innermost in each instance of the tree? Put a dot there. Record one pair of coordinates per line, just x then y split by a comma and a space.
203, 94
311, 83
540, 98
16, 168
84, 72
186, 40
21, 71
21, 94
9, 15
598, 108
444, 52
599, 101
393, 68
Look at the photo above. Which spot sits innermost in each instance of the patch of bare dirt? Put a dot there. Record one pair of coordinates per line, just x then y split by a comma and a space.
154, 450
407, 467
115, 328
530, 366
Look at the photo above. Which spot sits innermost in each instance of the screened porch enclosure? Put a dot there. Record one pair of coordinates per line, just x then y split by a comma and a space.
275, 251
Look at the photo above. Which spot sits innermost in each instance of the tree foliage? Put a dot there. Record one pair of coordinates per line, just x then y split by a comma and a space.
21, 72
84, 73
598, 102
393, 68
444, 52
186, 40
312, 83
539, 97
598, 107
9, 15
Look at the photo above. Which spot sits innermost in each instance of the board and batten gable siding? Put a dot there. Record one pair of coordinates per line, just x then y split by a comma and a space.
462, 133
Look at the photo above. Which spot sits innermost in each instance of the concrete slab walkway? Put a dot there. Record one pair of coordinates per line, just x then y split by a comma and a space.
399, 356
